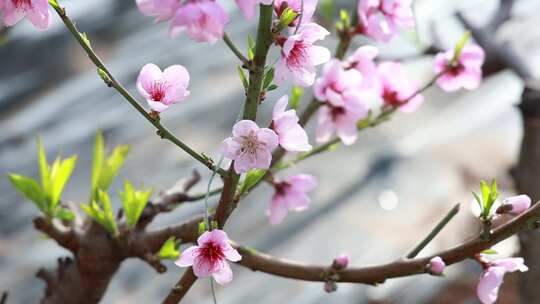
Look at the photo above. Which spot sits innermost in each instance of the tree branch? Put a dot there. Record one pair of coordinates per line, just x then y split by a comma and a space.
503, 14
112, 82
378, 274
66, 238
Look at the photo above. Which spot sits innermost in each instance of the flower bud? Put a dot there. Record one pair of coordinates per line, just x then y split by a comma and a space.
341, 262
515, 205
330, 286
436, 266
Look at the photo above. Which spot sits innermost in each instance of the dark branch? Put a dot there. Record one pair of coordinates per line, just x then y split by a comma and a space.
65, 237
503, 14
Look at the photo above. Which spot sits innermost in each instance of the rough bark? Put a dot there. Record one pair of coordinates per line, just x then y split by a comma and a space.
527, 178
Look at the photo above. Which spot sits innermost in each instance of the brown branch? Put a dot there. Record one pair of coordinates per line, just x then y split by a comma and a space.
179, 290
378, 274
3, 299
65, 237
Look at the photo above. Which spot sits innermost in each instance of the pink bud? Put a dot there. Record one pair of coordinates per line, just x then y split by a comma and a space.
341, 262
516, 204
330, 286
436, 266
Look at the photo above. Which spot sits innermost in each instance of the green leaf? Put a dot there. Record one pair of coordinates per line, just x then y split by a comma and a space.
112, 166
102, 213
489, 251
243, 77
268, 78
29, 188
251, 179
485, 191
287, 17
296, 97
478, 200
65, 214
169, 249
99, 155
345, 18
134, 202
44, 169
60, 173
202, 228
251, 48
105, 169
272, 87
459, 46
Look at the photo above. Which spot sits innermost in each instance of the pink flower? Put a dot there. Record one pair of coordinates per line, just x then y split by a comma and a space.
290, 195
380, 19
341, 262
492, 278
210, 257
515, 205
296, 6
292, 137
162, 89
248, 6
203, 20
465, 73
37, 11
250, 146
363, 61
336, 82
396, 88
299, 56
436, 266
163, 10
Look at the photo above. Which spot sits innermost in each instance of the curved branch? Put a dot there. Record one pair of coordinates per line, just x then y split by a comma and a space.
63, 236
378, 274
112, 82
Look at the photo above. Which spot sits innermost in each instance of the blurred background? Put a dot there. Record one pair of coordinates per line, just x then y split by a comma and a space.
375, 201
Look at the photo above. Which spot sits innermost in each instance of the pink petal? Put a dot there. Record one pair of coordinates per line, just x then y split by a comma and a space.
247, 7
187, 257
176, 75
263, 159
268, 137
232, 254
488, 287
346, 129
277, 210
295, 139
157, 106
280, 107
244, 128
40, 18
202, 268
230, 148
312, 32
319, 54
224, 274
511, 264
519, 203
303, 182
297, 201
148, 75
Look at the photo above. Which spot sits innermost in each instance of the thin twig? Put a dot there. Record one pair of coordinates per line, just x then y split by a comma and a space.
112, 82
245, 62
448, 217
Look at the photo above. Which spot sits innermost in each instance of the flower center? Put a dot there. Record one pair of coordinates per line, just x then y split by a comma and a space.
282, 188
391, 97
250, 144
22, 4
336, 112
456, 69
158, 90
297, 56
211, 252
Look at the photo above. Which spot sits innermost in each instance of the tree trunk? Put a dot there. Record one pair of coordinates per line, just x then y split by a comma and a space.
527, 178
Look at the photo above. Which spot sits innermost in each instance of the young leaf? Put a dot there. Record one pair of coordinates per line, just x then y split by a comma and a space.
112, 166
296, 96
251, 178
485, 190
99, 155
65, 214
202, 228
102, 214
489, 251
243, 77
44, 170
60, 173
268, 78
29, 188
251, 48
134, 203
459, 46
169, 249
287, 17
